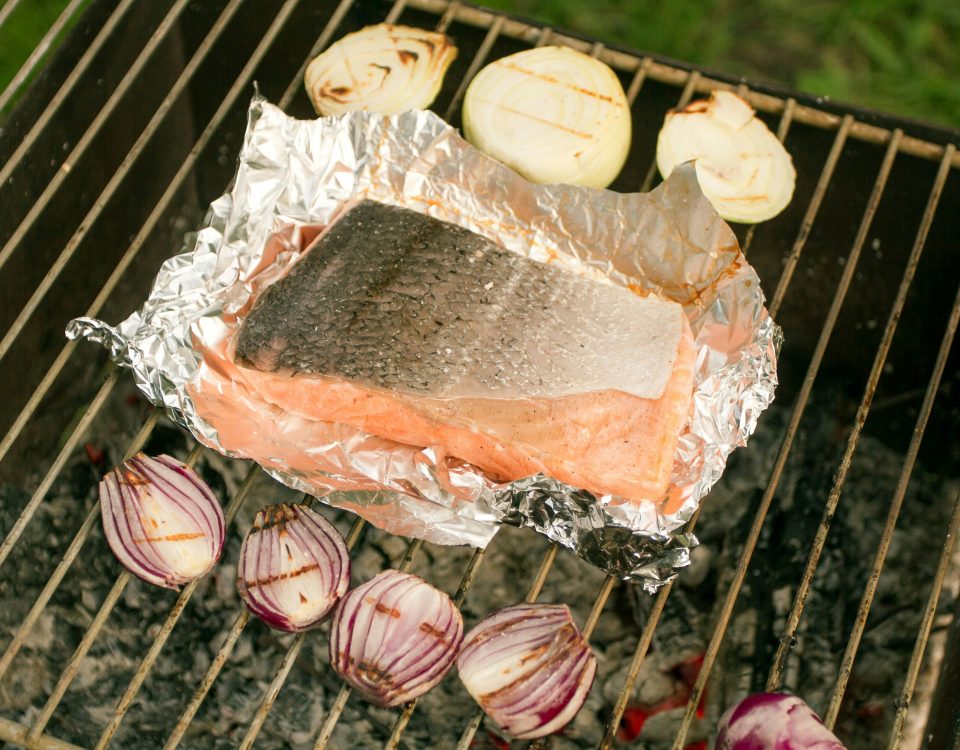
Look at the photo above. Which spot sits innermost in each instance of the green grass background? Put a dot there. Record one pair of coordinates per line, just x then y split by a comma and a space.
900, 56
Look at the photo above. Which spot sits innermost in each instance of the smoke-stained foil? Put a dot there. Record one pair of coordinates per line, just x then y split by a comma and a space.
295, 176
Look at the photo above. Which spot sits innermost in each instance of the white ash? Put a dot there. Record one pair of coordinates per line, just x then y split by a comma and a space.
504, 578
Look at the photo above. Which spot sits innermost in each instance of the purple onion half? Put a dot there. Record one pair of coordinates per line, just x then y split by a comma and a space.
293, 567
529, 668
773, 721
394, 637
161, 520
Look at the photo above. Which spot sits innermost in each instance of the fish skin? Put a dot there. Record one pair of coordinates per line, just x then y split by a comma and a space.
310, 344
401, 301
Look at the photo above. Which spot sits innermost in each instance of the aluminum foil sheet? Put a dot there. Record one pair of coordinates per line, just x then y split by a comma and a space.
293, 178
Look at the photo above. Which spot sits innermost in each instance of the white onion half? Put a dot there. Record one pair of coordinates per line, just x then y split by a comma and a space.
551, 113
382, 68
743, 170
161, 520
394, 637
529, 668
293, 567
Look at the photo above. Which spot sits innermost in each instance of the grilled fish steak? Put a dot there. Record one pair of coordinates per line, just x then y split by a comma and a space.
423, 332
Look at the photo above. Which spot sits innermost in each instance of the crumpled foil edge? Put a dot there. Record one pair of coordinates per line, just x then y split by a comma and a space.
297, 172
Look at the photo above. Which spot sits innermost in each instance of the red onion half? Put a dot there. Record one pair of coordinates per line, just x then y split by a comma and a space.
161, 520
394, 637
528, 667
773, 721
293, 567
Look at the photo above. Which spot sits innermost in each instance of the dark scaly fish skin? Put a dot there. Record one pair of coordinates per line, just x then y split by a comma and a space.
395, 299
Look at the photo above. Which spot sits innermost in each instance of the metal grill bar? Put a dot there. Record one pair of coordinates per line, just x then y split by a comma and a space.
786, 119
38, 52
673, 76
224, 652
754, 534
793, 621
846, 665
473, 567
121, 172
685, 97
86, 139
498, 25
161, 638
68, 557
342, 696
54, 471
546, 562
7, 9
70, 671
826, 175
51, 109
926, 625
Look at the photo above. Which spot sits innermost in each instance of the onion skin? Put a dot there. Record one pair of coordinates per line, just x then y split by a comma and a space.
773, 721
394, 638
381, 68
161, 520
552, 114
528, 667
293, 567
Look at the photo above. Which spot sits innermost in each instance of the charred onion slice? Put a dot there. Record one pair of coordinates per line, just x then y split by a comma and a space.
773, 721
528, 667
744, 171
161, 520
394, 637
381, 68
293, 567
552, 114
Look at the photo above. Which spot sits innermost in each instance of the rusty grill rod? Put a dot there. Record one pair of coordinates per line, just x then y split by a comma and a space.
642, 67
546, 562
7, 9
926, 625
70, 671
342, 696
105, 33
129, 78
38, 52
813, 208
68, 557
674, 76
800, 405
846, 665
469, 574
640, 653
122, 170
793, 621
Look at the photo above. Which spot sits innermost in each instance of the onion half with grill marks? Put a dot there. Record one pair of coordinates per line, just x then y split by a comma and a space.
161, 520
293, 567
743, 170
382, 68
553, 114
529, 668
394, 637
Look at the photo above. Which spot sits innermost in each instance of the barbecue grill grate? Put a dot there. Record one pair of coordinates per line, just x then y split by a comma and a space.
277, 44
